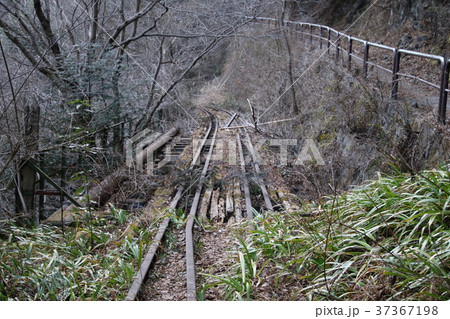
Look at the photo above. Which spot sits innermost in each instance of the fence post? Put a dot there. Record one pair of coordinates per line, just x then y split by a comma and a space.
443, 91
338, 43
320, 37
328, 39
366, 58
41, 187
395, 69
301, 31
350, 50
26, 175
310, 35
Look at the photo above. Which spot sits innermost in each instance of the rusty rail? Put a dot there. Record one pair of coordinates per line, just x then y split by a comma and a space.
259, 179
248, 201
191, 294
316, 31
190, 262
151, 253
245, 184
211, 133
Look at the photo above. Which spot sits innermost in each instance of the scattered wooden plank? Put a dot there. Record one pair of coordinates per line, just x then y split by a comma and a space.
141, 157
230, 120
222, 214
103, 191
214, 210
261, 183
237, 201
248, 201
204, 206
229, 204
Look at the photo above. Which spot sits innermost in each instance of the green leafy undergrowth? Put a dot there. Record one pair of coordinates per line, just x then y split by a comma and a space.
93, 261
386, 240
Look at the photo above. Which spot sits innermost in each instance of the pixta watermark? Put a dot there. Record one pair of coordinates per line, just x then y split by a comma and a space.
140, 155
283, 152
294, 152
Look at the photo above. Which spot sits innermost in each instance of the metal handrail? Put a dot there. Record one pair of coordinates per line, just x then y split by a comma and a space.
381, 67
397, 54
419, 79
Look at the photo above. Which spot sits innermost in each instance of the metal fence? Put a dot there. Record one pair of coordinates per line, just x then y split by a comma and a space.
332, 38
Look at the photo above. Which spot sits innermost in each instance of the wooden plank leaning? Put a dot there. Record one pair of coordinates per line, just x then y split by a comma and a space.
103, 190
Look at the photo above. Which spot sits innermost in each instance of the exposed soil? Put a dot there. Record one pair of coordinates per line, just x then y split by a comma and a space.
167, 279
214, 256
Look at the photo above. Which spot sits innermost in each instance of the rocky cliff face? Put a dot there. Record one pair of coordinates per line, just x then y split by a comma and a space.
393, 17
358, 129
430, 16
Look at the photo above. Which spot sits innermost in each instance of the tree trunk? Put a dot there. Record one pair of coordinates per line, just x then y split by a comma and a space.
290, 59
26, 176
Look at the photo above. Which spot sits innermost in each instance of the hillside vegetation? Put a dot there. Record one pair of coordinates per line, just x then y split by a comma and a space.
374, 220
358, 128
388, 239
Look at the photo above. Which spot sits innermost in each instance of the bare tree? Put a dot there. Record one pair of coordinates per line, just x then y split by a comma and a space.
285, 10
95, 64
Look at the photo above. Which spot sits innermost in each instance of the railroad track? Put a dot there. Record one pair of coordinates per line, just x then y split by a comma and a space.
150, 256
232, 203
257, 178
